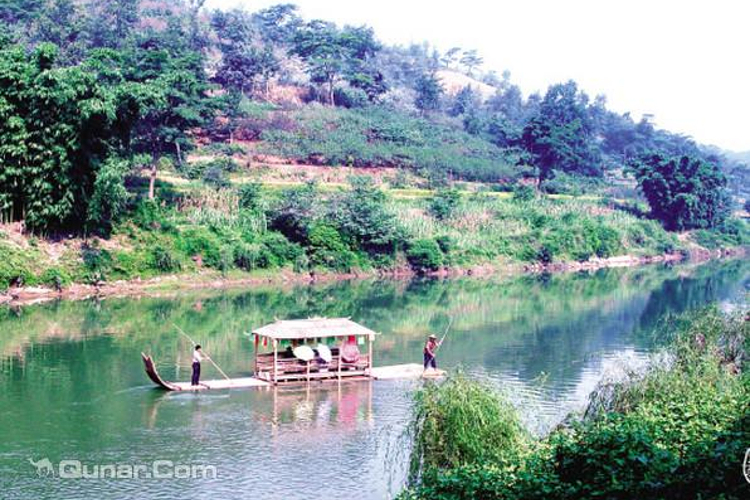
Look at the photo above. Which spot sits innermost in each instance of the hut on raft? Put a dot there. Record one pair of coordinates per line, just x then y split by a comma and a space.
313, 349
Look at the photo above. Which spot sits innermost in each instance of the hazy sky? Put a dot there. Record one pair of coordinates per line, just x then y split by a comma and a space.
685, 62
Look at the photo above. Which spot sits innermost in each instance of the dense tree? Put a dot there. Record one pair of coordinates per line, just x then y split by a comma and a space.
18, 11
113, 22
332, 55
278, 23
684, 192
560, 136
57, 127
466, 100
429, 91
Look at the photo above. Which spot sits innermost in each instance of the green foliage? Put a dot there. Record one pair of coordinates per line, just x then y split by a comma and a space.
327, 249
429, 90
200, 242
199, 169
109, 199
362, 216
251, 196
164, 260
463, 422
15, 267
561, 135
57, 125
524, 193
444, 203
683, 192
678, 432
378, 137
424, 255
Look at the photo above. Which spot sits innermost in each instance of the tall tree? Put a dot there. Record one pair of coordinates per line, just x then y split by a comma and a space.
560, 136
429, 90
57, 127
471, 60
684, 192
332, 55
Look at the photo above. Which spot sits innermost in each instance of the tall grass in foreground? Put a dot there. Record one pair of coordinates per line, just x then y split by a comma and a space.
463, 421
677, 430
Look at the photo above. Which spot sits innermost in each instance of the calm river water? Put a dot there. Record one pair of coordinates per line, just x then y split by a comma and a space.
72, 386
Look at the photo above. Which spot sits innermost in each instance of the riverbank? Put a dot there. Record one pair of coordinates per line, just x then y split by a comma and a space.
243, 236
208, 279
675, 426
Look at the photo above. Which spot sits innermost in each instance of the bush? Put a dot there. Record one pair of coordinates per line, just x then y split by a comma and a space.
96, 261
444, 203
280, 250
463, 422
677, 431
109, 199
215, 178
163, 260
220, 166
200, 242
424, 256
251, 256
328, 249
523, 192
15, 267
251, 196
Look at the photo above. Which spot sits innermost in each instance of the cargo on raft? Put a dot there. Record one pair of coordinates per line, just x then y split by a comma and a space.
304, 351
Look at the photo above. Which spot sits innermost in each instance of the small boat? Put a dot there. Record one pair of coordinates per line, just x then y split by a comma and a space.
284, 354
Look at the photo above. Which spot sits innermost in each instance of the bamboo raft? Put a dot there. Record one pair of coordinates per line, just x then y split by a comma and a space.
345, 362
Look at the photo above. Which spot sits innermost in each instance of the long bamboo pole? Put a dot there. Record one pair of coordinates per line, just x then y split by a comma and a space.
209, 357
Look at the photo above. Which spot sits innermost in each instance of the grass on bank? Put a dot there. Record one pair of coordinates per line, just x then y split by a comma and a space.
254, 229
679, 431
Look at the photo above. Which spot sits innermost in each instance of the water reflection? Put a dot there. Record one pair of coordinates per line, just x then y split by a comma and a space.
72, 383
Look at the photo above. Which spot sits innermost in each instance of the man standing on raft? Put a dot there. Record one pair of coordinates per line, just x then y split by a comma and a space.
197, 358
429, 353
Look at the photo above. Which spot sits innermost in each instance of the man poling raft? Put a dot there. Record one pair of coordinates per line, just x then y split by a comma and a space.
430, 350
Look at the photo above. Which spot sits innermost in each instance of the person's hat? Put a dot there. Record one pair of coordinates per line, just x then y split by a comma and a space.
432, 336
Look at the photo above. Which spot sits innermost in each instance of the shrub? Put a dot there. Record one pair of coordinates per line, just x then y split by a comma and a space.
109, 199
462, 422
215, 178
219, 166
424, 255
523, 192
201, 242
362, 216
15, 268
96, 261
55, 277
280, 250
251, 196
444, 203
328, 249
163, 260
251, 256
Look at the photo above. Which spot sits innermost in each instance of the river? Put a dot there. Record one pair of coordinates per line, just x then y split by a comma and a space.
73, 386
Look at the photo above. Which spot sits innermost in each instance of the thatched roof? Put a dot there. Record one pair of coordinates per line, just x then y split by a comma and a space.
312, 328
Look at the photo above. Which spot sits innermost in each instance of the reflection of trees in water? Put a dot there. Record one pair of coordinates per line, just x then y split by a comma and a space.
527, 323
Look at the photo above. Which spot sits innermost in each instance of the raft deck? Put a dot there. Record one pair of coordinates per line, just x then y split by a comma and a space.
393, 372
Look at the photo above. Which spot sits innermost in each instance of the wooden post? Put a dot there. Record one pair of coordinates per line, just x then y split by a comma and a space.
340, 361
275, 362
256, 341
369, 356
